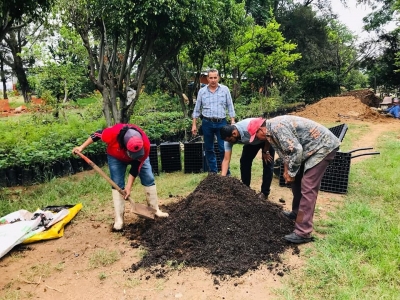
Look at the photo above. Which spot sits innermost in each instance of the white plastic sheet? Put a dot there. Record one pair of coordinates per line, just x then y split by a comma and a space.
22, 224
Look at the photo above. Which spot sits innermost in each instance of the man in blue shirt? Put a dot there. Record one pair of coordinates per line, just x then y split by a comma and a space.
212, 102
394, 111
238, 133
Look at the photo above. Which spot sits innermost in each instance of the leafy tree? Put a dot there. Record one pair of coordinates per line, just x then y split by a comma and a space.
382, 69
127, 40
261, 56
12, 12
16, 40
63, 69
218, 34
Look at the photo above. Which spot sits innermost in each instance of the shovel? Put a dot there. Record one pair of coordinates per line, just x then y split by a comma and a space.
139, 209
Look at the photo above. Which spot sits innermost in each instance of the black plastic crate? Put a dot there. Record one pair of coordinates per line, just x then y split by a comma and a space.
339, 131
154, 159
336, 177
170, 157
193, 157
217, 155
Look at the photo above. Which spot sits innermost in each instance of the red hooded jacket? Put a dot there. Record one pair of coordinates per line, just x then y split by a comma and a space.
109, 136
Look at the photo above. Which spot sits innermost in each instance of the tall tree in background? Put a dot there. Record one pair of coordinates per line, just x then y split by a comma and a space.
16, 40
382, 69
15, 15
126, 39
12, 12
261, 56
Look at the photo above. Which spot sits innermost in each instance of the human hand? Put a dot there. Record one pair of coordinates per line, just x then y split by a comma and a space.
288, 178
194, 130
77, 149
267, 157
127, 193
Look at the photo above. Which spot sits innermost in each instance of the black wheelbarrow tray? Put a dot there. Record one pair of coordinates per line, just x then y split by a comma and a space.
336, 177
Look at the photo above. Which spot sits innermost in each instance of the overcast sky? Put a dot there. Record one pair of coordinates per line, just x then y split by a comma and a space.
351, 16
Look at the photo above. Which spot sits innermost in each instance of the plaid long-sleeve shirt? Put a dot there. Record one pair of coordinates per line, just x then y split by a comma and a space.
214, 105
299, 140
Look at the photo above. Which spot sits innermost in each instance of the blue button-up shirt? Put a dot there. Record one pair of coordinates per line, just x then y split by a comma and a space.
214, 105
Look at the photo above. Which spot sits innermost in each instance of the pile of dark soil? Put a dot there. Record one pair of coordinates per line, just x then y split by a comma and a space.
366, 96
221, 226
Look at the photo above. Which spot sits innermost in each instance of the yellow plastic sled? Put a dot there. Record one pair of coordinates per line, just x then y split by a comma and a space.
57, 230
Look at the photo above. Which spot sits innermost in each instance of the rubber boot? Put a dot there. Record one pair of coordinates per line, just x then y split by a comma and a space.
119, 207
152, 200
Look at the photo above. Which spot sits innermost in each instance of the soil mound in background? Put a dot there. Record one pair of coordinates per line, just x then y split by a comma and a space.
366, 96
351, 105
221, 226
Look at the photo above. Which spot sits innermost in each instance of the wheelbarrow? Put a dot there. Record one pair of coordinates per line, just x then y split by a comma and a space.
336, 177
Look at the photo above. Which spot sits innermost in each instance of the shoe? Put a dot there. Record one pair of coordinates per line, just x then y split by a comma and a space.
297, 239
261, 196
290, 215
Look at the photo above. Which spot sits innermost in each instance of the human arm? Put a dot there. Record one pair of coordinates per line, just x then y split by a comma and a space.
229, 105
225, 162
266, 156
194, 126
196, 113
128, 186
83, 146
288, 179
289, 149
91, 139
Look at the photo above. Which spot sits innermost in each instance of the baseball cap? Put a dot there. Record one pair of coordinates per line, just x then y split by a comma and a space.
253, 126
134, 144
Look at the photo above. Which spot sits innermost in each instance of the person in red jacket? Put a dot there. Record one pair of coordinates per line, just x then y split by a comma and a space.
127, 144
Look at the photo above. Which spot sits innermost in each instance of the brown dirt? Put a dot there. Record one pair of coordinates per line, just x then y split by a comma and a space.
221, 263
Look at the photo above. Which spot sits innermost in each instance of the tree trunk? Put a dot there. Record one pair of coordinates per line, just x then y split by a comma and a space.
3, 79
182, 103
236, 84
106, 107
18, 65
65, 92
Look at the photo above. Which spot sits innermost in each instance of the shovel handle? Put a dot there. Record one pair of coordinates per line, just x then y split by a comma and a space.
139, 209
101, 172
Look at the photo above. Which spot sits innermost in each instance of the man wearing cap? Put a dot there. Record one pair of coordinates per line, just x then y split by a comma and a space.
127, 144
213, 100
306, 149
237, 133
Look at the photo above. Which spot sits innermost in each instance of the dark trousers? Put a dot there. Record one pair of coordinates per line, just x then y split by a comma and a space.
246, 161
305, 192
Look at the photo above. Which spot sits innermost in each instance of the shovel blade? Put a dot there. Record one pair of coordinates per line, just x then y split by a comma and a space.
143, 210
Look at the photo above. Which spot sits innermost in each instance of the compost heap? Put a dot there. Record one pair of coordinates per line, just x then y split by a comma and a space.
221, 226
353, 105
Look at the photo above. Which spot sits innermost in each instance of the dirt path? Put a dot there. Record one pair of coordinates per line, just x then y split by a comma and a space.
60, 268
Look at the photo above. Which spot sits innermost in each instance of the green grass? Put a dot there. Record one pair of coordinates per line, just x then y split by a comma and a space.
103, 258
359, 258
86, 101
